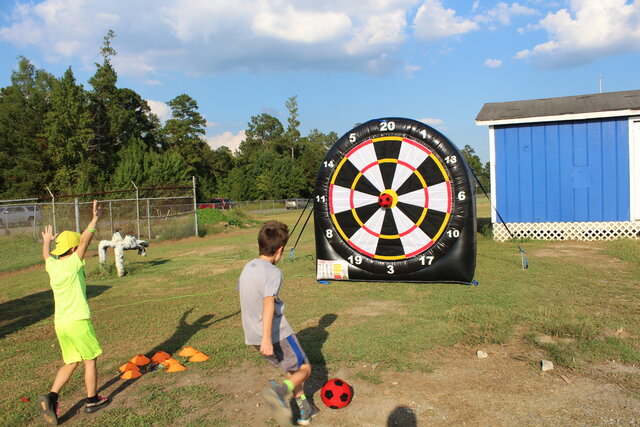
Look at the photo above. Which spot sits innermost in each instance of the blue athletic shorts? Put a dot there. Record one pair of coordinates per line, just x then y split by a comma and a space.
288, 355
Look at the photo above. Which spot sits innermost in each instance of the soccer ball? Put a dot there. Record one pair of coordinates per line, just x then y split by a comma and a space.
385, 200
336, 393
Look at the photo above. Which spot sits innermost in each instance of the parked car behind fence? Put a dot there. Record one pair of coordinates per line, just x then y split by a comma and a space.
218, 203
296, 203
19, 215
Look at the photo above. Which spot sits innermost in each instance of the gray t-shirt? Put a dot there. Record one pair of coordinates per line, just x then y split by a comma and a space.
260, 279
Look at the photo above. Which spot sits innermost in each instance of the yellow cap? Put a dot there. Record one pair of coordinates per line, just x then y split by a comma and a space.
65, 241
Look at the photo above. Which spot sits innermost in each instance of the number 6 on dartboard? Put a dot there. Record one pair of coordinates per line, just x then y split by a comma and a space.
398, 204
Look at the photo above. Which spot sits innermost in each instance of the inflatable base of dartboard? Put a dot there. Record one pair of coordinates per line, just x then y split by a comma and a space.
395, 201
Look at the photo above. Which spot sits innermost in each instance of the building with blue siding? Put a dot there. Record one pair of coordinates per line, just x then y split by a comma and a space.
566, 168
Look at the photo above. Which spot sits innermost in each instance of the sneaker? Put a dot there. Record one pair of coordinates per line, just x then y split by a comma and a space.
48, 410
277, 400
93, 407
307, 414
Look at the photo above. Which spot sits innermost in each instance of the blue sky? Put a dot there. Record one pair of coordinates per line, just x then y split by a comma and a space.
347, 61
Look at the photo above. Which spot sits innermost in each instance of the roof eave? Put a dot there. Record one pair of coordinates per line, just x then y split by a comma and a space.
560, 117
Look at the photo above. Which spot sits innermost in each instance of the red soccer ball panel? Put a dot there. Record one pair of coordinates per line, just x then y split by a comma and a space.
336, 393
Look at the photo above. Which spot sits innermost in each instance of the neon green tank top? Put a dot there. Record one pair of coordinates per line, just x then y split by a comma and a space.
68, 283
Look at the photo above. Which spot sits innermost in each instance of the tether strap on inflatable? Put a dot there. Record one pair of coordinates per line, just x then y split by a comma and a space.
523, 256
300, 217
292, 250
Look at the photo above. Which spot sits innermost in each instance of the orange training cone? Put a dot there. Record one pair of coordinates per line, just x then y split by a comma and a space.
128, 367
160, 357
128, 375
198, 357
170, 361
187, 352
175, 367
140, 360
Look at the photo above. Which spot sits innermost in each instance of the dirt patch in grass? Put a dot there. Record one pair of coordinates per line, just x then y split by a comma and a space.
214, 269
505, 389
613, 367
582, 251
375, 308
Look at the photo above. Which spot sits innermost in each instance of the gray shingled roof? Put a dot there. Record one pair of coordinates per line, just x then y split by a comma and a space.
592, 103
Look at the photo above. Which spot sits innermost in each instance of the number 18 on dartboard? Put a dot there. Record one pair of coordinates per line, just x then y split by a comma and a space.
395, 201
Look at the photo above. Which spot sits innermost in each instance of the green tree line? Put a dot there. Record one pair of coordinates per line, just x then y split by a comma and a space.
56, 133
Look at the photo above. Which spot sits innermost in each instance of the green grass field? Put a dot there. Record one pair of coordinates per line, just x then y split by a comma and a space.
183, 293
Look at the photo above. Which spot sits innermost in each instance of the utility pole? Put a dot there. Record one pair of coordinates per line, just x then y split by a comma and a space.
600, 83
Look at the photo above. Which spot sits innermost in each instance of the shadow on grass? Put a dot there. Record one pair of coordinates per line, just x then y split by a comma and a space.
154, 262
312, 339
484, 227
184, 332
22, 312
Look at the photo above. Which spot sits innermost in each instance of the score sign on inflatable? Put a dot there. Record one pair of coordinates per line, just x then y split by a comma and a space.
395, 201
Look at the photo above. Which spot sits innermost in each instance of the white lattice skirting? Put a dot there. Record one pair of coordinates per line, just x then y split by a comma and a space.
568, 230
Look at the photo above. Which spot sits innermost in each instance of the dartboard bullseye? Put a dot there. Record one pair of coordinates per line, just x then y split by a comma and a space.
394, 201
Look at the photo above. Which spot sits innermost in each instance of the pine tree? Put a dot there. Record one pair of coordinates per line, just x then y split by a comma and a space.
68, 134
23, 104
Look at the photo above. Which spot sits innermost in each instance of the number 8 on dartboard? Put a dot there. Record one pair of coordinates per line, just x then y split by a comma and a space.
395, 201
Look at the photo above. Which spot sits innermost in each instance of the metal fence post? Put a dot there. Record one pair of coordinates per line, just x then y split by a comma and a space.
137, 208
148, 220
53, 210
35, 207
77, 211
195, 204
111, 215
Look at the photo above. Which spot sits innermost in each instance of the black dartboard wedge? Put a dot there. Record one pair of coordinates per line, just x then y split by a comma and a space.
395, 201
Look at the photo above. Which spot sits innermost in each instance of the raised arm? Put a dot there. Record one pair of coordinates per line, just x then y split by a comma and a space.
47, 238
87, 234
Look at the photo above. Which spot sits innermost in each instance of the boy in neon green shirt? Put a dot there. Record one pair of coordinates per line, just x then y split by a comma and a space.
73, 326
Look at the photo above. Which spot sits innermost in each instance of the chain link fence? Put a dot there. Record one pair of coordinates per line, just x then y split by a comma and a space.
153, 213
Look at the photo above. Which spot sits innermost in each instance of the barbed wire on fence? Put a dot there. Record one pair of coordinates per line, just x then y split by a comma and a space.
147, 212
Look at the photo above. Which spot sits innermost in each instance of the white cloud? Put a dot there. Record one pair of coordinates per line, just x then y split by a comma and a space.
432, 121
160, 109
433, 21
410, 69
587, 30
227, 139
301, 26
201, 37
503, 12
493, 63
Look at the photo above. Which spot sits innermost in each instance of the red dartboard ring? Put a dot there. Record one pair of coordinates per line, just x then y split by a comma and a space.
392, 197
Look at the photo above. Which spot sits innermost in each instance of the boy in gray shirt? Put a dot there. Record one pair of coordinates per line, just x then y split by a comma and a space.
266, 328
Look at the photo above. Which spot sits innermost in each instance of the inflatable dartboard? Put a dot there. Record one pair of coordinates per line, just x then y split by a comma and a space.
394, 201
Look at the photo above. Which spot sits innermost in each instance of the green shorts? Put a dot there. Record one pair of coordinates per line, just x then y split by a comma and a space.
77, 341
